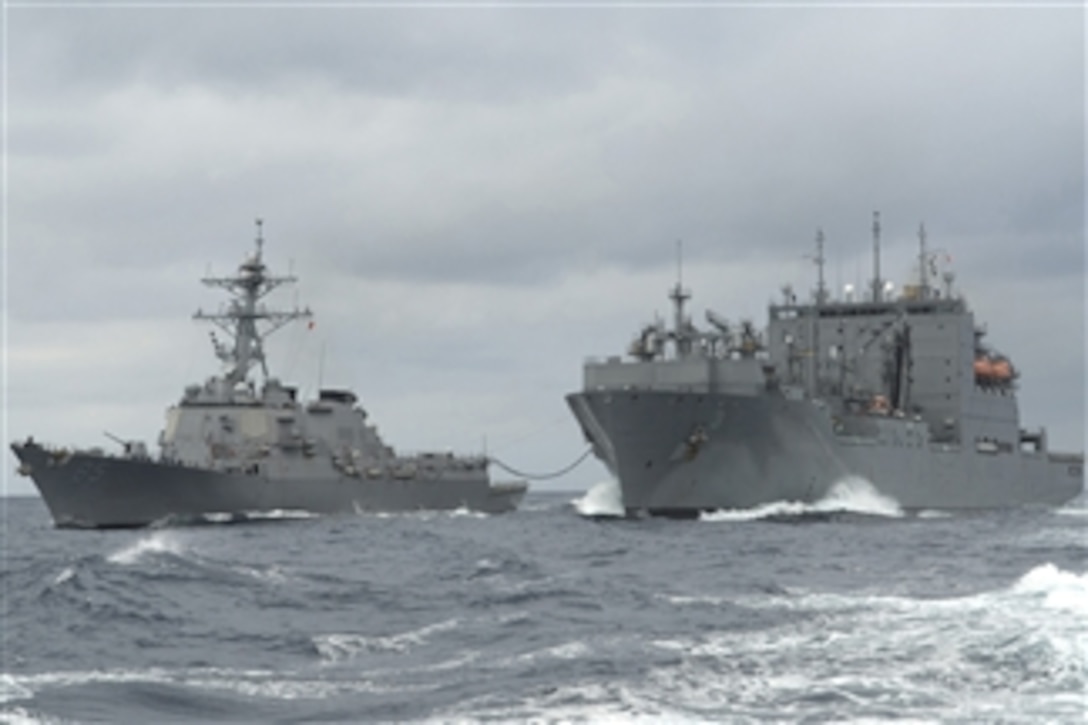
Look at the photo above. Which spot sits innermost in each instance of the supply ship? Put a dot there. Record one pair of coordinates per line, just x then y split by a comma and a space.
233, 450
900, 389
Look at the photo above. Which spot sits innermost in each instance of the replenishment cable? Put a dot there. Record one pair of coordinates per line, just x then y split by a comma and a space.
541, 476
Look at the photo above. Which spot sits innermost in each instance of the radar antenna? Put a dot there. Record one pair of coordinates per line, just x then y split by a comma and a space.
239, 319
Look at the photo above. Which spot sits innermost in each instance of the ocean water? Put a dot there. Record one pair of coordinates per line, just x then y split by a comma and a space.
845, 610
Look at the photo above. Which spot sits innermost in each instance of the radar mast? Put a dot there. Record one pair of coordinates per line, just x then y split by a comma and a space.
239, 319
679, 296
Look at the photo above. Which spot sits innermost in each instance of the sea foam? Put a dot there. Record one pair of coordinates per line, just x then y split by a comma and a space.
156, 543
602, 499
852, 494
1058, 589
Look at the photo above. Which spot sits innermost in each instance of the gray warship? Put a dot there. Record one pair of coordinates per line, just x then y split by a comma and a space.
235, 450
900, 389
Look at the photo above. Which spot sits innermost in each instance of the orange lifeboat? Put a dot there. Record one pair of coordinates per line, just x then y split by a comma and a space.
984, 368
1002, 370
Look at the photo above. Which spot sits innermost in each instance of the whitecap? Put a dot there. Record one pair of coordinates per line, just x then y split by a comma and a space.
852, 494
219, 517
77, 678
271, 684
279, 514
486, 566
65, 574
158, 542
566, 651
271, 574
858, 495
767, 510
1025, 639
606, 702
345, 646
11, 689
602, 499
21, 716
1059, 589
683, 600
466, 511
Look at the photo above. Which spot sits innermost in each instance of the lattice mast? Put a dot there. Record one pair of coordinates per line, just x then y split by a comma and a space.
243, 313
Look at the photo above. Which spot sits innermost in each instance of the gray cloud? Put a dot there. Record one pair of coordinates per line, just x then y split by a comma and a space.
457, 54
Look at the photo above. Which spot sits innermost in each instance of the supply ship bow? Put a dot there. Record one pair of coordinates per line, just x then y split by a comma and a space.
901, 390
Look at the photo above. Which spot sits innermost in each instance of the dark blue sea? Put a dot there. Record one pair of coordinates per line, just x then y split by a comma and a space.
848, 610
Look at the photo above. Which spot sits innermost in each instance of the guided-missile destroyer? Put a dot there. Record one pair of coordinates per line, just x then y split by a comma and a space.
900, 389
233, 449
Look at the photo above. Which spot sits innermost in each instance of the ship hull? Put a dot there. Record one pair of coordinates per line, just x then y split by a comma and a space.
679, 453
86, 490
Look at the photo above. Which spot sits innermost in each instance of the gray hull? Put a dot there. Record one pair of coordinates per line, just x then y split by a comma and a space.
678, 453
87, 490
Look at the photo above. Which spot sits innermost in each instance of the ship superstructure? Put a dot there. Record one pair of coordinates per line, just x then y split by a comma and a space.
242, 444
899, 388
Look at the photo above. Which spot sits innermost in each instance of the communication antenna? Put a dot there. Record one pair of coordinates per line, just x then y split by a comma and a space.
821, 289
679, 261
679, 295
924, 275
838, 273
877, 287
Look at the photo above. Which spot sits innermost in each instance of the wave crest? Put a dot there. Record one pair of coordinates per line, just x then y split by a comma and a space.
346, 646
160, 542
602, 499
1059, 589
853, 494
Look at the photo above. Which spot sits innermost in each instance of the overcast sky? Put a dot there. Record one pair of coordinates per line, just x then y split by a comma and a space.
476, 199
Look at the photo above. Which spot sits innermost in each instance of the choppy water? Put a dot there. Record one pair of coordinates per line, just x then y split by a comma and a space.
846, 610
